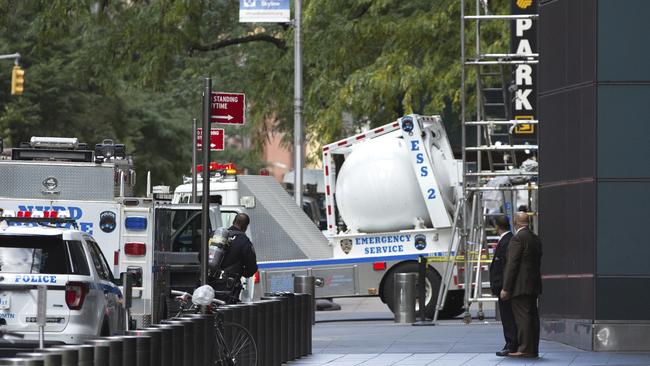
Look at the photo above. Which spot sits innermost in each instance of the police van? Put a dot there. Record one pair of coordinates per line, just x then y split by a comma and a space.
83, 297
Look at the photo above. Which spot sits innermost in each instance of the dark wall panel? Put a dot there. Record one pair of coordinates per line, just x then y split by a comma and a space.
623, 131
623, 222
567, 40
553, 222
552, 137
623, 29
581, 41
622, 298
581, 133
552, 49
567, 135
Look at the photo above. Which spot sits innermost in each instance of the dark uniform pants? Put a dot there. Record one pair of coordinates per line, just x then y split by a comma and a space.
524, 308
509, 325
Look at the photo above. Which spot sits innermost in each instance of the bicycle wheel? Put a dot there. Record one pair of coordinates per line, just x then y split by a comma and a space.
236, 346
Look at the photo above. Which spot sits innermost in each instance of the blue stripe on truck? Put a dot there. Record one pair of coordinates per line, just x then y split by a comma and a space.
324, 262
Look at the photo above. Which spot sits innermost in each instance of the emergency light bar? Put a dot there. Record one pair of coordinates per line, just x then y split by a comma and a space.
54, 142
228, 168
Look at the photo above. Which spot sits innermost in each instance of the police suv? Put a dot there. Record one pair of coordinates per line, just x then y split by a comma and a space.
83, 300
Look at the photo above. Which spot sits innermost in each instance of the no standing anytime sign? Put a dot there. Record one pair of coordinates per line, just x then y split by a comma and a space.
227, 108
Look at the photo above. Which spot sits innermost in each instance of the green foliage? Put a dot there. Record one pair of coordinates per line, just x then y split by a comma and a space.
133, 70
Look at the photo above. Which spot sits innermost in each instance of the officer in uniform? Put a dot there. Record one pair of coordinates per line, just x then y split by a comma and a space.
239, 261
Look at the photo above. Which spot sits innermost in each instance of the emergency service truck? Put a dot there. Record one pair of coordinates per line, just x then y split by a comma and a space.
392, 200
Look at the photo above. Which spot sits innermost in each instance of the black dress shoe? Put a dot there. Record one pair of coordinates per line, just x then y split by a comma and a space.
503, 353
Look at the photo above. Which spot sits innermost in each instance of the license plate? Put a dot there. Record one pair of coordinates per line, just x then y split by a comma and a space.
5, 302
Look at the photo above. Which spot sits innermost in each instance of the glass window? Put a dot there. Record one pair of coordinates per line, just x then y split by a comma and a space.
77, 257
227, 218
187, 237
33, 254
103, 270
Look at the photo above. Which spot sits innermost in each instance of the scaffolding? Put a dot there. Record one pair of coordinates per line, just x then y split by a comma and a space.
491, 160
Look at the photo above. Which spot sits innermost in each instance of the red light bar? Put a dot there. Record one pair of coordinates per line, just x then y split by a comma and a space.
379, 266
138, 249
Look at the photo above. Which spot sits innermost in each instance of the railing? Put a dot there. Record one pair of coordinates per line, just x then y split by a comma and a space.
280, 323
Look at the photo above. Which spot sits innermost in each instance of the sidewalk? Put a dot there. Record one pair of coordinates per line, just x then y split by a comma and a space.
382, 342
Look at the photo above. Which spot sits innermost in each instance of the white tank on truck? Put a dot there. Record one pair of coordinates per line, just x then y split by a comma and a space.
377, 178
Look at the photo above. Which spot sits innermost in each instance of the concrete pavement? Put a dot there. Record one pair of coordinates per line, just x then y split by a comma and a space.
347, 337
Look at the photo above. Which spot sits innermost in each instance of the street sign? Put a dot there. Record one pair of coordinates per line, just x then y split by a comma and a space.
227, 108
216, 139
264, 11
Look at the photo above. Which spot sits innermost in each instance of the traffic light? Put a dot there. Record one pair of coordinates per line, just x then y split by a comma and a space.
17, 80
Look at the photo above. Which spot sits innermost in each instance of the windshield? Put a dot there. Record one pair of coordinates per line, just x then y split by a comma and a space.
39, 254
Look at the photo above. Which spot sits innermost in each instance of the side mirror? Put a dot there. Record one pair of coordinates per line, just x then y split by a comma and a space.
126, 280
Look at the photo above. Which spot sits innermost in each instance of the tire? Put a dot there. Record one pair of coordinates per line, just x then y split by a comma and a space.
239, 349
453, 306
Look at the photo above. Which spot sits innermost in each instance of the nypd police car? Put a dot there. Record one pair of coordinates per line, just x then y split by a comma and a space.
83, 300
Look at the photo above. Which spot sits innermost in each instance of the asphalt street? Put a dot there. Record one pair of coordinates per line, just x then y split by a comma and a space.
363, 333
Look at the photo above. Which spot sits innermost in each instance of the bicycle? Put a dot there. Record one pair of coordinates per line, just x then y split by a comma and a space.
239, 348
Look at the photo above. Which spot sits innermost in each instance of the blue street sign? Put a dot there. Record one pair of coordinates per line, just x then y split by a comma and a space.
264, 11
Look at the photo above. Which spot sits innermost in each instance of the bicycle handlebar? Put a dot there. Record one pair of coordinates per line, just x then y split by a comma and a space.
183, 294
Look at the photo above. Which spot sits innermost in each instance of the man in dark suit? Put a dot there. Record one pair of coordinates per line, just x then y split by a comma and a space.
496, 285
522, 284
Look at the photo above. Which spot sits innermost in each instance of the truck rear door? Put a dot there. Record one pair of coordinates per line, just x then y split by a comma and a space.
177, 241
27, 261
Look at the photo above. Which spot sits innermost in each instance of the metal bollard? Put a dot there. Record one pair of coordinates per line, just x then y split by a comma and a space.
229, 316
188, 339
260, 333
177, 342
86, 353
253, 310
69, 356
204, 329
53, 357
405, 297
282, 326
49, 359
142, 350
306, 285
148, 346
196, 333
22, 361
291, 325
267, 333
273, 331
129, 345
302, 310
166, 344
115, 351
101, 354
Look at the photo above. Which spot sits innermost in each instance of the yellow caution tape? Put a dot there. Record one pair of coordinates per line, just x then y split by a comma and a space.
459, 259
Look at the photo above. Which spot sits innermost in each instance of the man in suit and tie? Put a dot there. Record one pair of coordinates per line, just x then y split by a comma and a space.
496, 285
522, 284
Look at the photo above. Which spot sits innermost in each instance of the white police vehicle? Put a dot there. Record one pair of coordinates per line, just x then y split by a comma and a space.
83, 299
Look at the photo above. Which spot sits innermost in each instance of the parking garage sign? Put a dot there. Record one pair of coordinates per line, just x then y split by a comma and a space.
264, 11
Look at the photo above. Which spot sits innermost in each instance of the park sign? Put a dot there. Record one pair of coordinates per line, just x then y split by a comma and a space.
227, 108
216, 139
264, 11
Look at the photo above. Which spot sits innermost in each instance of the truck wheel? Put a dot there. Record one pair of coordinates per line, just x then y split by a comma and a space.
432, 285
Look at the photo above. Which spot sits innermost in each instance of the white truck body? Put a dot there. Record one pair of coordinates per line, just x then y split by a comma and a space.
354, 262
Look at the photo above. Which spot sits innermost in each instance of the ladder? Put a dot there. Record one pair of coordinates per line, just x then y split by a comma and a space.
493, 126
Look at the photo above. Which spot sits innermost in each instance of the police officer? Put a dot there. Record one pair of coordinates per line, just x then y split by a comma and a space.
238, 261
